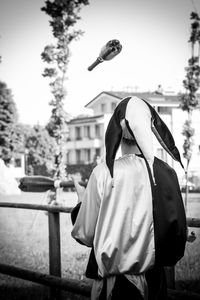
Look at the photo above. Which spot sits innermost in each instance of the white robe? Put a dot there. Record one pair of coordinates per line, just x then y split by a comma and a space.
118, 221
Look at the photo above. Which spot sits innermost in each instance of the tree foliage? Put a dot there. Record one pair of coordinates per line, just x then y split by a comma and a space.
84, 170
17, 138
41, 149
63, 16
8, 121
38, 147
189, 100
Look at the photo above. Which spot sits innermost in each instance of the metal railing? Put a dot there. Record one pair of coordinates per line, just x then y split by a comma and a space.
54, 280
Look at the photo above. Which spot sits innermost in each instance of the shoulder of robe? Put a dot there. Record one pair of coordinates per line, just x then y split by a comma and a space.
163, 164
101, 169
164, 171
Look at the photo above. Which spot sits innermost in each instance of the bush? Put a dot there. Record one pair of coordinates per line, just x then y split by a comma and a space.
84, 170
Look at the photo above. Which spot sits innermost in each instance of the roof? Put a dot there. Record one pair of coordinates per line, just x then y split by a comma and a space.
104, 92
87, 119
144, 95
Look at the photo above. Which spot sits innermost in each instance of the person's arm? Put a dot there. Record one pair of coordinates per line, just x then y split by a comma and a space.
74, 213
85, 223
80, 190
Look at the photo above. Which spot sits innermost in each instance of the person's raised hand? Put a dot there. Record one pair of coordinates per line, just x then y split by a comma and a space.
79, 189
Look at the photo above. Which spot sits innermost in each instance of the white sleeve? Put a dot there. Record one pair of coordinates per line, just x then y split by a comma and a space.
84, 227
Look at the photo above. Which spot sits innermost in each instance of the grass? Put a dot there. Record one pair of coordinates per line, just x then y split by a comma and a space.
188, 268
24, 243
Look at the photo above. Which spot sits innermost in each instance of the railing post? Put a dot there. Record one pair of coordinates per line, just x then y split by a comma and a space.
54, 251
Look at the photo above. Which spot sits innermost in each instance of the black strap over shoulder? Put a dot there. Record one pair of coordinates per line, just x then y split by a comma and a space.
170, 226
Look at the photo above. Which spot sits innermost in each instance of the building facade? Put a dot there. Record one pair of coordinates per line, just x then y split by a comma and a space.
85, 140
86, 133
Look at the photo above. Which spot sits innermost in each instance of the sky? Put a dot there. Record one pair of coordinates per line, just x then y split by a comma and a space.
154, 37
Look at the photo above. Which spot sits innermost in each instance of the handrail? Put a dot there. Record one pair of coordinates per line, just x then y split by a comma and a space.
191, 222
71, 285
74, 285
47, 207
54, 280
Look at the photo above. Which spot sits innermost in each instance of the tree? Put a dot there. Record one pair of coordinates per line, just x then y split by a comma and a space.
8, 121
84, 170
189, 100
22, 131
64, 14
41, 149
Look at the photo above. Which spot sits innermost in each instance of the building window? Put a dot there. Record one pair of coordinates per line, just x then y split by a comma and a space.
78, 133
113, 105
87, 131
68, 157
98, 152
18, 163
78, 156
88, 155
97, 131
103, 107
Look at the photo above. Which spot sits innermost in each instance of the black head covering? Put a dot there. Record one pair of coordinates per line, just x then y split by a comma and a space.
114, 133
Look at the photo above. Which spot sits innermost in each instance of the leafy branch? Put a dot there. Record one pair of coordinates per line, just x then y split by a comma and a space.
63, 16
189, 99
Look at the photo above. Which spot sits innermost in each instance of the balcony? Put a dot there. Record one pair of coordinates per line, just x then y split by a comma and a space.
84, 143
